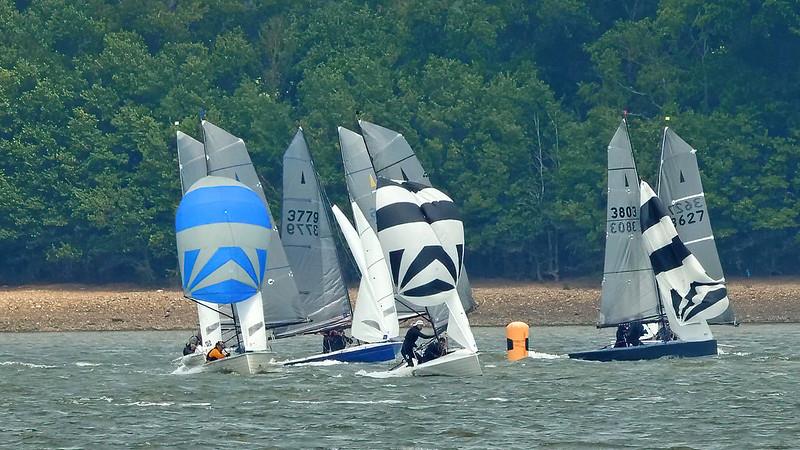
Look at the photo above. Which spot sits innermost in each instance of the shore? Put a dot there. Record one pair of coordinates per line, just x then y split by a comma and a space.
571, 302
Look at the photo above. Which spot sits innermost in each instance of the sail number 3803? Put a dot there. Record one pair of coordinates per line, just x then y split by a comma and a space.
302, 222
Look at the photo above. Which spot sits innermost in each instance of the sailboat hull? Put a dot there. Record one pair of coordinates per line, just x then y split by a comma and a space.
365, 353
249, 363
460, 363
673, 349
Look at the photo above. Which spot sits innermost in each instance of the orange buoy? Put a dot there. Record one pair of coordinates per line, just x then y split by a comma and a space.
517, 340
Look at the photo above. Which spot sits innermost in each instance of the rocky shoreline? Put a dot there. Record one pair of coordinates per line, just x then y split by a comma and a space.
570, 302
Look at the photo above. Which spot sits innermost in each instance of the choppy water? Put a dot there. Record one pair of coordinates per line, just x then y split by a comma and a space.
117, 389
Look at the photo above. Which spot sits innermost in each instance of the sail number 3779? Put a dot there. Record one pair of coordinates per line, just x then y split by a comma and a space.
302, 222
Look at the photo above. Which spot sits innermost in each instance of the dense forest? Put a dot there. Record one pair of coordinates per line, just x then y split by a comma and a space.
510, 105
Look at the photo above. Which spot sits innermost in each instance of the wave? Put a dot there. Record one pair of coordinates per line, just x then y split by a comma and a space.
541, 355
326, 362
26, 364
148, 404
87, 364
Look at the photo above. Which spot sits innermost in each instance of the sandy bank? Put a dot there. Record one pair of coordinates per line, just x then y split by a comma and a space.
78, 307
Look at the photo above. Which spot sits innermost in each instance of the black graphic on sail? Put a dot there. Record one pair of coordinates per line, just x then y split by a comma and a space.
691, 294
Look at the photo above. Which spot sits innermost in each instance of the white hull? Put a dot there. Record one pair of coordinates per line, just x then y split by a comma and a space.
460, 363
249, 363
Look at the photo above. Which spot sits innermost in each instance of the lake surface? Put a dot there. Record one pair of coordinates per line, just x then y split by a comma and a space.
117, 389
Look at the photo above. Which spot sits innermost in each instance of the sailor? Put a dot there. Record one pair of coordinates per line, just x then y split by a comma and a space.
410, 341
635, 332
622, 331
338, 340
435, 349
191, 346
218, 352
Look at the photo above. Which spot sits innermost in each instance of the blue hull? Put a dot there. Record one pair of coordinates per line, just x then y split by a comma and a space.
674, 349
367, 353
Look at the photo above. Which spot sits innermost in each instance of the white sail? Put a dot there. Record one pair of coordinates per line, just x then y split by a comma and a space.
688, 295
375, 316
251, 322
458, 325
210, 326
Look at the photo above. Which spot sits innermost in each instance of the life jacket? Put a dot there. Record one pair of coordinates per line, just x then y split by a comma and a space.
214, 354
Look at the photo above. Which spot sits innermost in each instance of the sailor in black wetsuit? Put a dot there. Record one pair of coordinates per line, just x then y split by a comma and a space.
635, 332
410, 341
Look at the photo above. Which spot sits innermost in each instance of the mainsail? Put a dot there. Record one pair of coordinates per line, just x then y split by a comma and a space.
422, 238
191, 160
681, 191
690, 297
228, 157
393, 158
222, 231
629, 290
375, 315
309, 243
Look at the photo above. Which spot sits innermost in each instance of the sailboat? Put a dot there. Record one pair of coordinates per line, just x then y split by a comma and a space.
645, 263
681, 191
310, 246
422, 238
222, 230
225, 156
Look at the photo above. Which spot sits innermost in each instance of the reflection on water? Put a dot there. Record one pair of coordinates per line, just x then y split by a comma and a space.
115, 389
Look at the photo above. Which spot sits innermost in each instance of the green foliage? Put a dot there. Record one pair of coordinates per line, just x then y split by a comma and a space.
509, 104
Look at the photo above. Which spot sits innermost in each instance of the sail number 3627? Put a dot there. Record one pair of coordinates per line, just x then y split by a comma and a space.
302, 222
687, 211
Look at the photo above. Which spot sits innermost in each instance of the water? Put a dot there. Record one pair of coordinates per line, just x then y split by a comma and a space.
117, 389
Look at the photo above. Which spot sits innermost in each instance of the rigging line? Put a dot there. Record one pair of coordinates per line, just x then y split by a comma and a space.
199, 303
396, 162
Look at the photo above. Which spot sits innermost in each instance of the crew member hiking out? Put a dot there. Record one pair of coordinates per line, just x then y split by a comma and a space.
410, 341
218, 352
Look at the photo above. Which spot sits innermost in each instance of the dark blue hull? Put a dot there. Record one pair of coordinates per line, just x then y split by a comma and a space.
366, 353
674, 349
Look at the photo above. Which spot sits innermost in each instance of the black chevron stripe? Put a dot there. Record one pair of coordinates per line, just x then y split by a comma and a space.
426, 257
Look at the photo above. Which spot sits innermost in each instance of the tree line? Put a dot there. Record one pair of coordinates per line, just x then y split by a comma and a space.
509, 104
